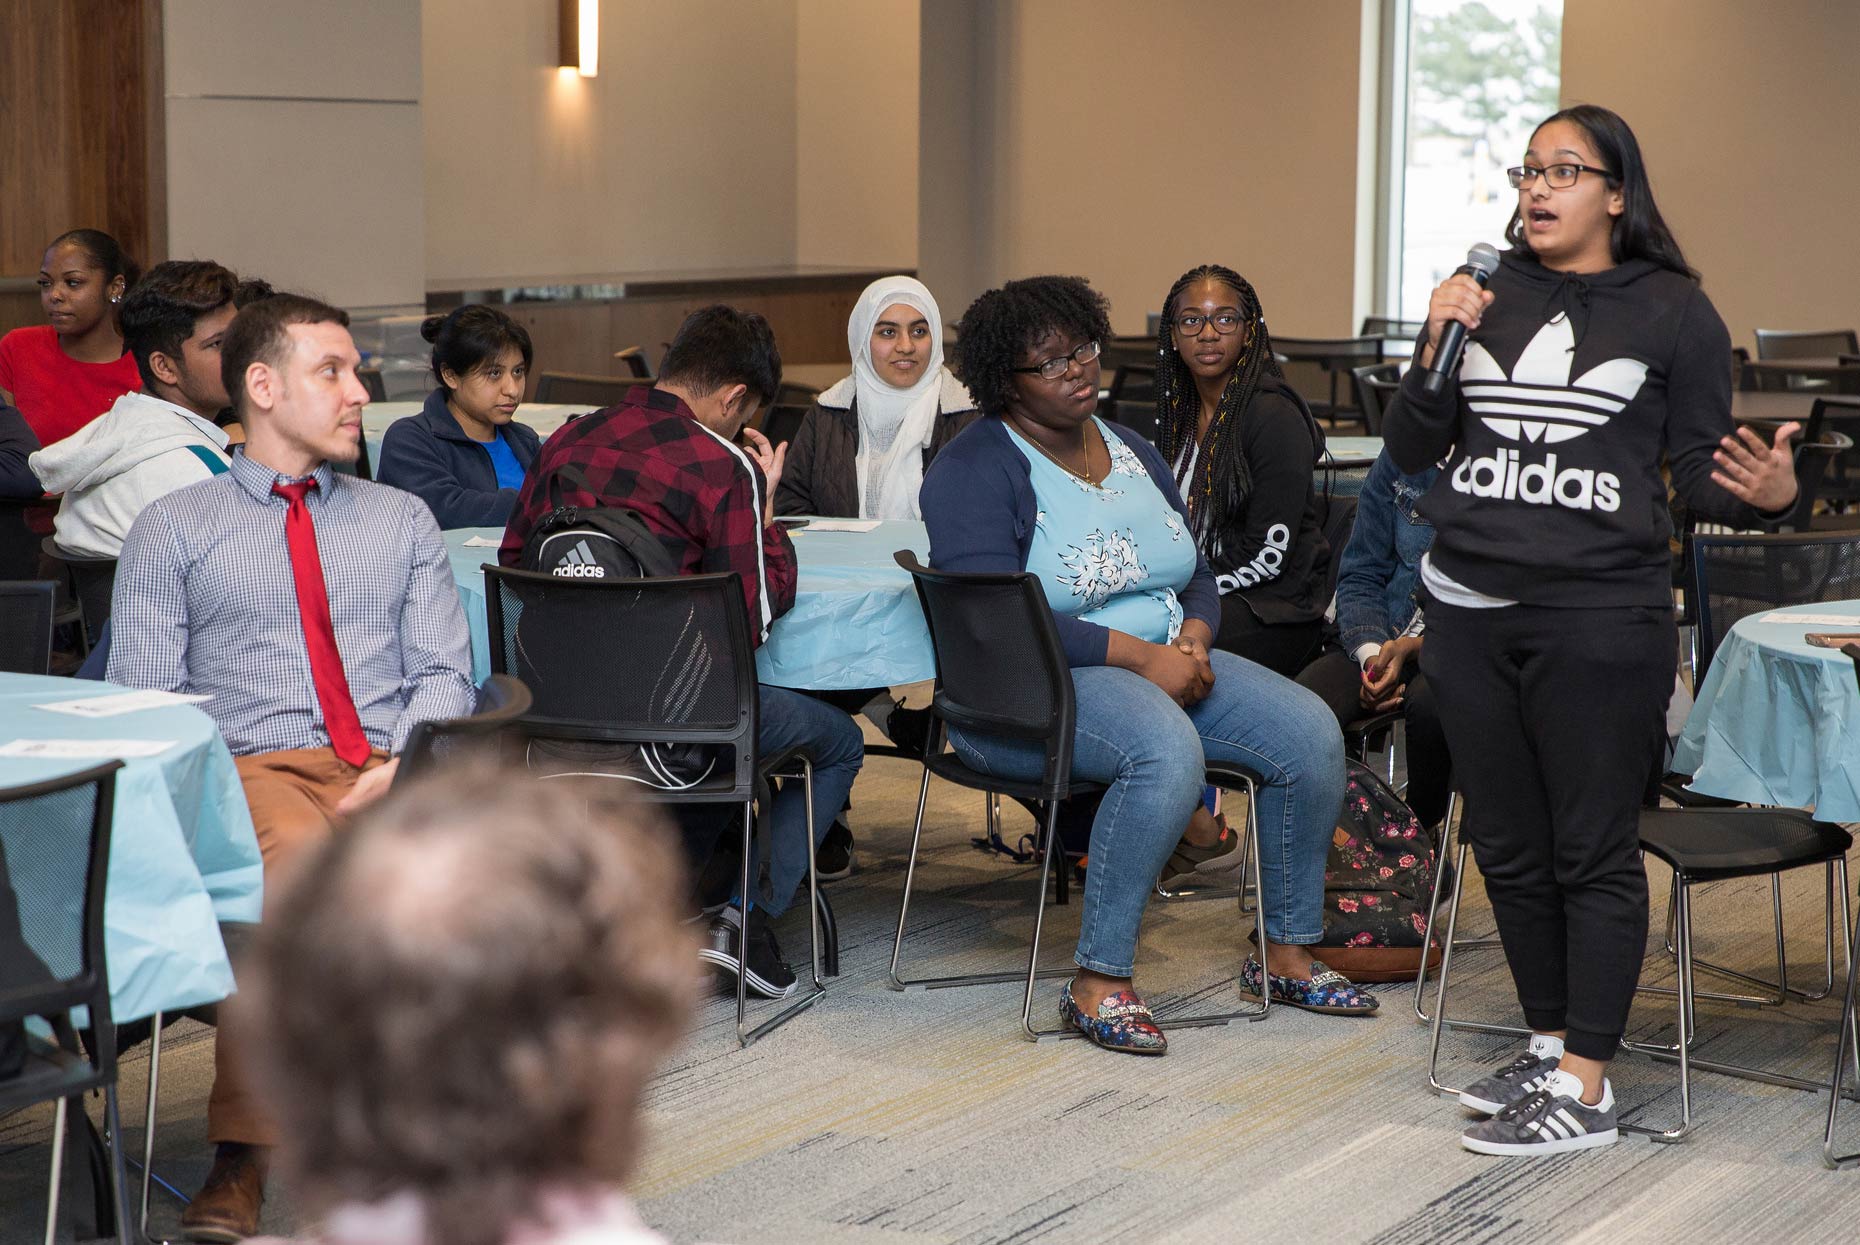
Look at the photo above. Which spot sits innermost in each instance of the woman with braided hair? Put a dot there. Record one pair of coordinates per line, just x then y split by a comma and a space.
1242, 447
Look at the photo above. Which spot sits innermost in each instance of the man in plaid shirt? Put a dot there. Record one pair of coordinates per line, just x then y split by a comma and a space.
668, 453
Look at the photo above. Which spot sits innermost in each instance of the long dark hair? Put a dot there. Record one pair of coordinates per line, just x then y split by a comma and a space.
1222, 479
468, 336
1640, 231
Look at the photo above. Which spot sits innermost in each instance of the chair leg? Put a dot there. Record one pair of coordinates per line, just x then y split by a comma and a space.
1449, 836
1440, 1021
119, 1176
1847, 1040
1687, 1022
55, 1186
1051, 848
745, 1035
899, 982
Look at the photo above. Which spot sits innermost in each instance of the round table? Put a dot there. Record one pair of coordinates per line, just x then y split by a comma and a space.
544, 417
1777, 719
183, 857
1345, 448
856, 622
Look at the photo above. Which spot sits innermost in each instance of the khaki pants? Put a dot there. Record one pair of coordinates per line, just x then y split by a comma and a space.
293, 797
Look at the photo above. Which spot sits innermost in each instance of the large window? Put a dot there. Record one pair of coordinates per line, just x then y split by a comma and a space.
1478, 75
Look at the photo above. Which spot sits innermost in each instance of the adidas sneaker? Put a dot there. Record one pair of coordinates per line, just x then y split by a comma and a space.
1545, 1121
753, 952
1492, 1094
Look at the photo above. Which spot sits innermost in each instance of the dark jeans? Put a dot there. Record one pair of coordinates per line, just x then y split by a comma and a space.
1556, 718
1283, 648
1335, 677
832, 741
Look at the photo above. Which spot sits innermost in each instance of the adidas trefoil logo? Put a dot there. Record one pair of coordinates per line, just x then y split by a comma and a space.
1538, 402
579, 563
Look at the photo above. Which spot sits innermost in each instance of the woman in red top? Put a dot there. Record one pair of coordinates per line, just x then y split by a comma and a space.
64, 374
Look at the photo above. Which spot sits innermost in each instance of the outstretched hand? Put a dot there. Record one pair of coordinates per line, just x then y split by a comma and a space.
1759, 475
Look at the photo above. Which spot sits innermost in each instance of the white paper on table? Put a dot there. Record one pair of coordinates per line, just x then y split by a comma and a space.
72, 749
839, 525
482, 542
1814, 620
121, 702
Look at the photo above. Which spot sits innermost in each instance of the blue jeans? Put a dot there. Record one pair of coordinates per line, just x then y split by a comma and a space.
832, 741
1151, 753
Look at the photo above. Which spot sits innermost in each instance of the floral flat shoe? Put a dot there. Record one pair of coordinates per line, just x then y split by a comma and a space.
1325, 990
1123, 1023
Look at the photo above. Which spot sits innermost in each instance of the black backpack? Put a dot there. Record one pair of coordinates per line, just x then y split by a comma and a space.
592, 542
604, 543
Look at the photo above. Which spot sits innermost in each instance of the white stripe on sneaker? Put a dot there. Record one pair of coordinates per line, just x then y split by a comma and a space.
1563, 1116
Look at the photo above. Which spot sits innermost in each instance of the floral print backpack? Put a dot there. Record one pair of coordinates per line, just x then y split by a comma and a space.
1378, 880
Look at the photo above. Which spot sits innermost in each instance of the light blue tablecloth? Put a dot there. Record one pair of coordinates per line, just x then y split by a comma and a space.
182, 853
1778, 720
855, 622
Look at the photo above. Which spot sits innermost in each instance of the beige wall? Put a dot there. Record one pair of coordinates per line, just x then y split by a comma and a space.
1749, 119
1085, 159
293, 140
856, 124
681, 154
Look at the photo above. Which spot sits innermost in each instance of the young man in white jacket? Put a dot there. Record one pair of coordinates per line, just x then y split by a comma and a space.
150, 443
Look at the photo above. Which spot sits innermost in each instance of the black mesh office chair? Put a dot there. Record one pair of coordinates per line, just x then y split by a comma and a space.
1374, 384
90, 581
593, 392
26, 608
502, 702
1817, 343
1000, 670
372, 382
54, 858
669, 708
1386, 326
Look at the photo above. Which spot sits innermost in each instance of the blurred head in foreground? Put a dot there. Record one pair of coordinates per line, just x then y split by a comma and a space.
456, 1005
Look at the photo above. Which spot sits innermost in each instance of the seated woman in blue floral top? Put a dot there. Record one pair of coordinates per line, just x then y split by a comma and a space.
1046, 487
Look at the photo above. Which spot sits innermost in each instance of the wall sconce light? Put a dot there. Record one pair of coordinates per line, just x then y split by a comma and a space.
580, 31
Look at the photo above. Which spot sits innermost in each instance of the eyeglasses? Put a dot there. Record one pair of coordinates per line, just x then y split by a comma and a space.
1226, 323
1559, 176
1055, 367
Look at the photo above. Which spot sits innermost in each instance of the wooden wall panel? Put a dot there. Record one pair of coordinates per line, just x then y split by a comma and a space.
80, 126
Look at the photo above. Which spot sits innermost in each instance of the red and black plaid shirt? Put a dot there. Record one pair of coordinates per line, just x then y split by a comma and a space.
700, 495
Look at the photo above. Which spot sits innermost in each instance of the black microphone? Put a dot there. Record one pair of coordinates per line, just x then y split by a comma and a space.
1481, 263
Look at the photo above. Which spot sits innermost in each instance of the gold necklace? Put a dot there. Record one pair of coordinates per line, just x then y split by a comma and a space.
1061, 463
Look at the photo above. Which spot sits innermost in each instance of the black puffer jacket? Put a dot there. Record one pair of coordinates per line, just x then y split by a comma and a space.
822, 472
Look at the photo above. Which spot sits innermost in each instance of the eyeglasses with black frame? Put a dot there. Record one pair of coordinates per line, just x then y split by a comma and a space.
1559, 176
1226, 323
1055, 367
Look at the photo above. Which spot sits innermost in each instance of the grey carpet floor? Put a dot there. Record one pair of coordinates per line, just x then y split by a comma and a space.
922, 1118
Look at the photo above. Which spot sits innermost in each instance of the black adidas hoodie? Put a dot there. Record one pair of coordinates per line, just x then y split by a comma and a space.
1569, 395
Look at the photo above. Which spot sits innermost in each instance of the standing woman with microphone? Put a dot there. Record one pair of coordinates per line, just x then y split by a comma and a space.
1591, 357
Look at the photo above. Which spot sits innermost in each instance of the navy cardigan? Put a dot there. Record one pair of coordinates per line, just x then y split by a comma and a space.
430, 456
978, 503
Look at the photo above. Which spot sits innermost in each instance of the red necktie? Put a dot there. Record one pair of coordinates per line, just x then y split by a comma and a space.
332, 686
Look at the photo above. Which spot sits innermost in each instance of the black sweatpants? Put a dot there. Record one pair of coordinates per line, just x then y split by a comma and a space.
1556, 718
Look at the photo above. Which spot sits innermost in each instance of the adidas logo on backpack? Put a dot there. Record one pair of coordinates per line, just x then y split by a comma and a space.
579, 563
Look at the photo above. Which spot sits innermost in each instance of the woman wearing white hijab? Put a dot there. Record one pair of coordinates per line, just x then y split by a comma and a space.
861, 451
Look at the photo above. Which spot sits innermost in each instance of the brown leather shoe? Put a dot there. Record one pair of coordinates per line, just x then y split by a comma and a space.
226, 1208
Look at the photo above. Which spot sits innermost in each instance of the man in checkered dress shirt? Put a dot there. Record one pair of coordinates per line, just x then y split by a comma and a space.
206, 603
